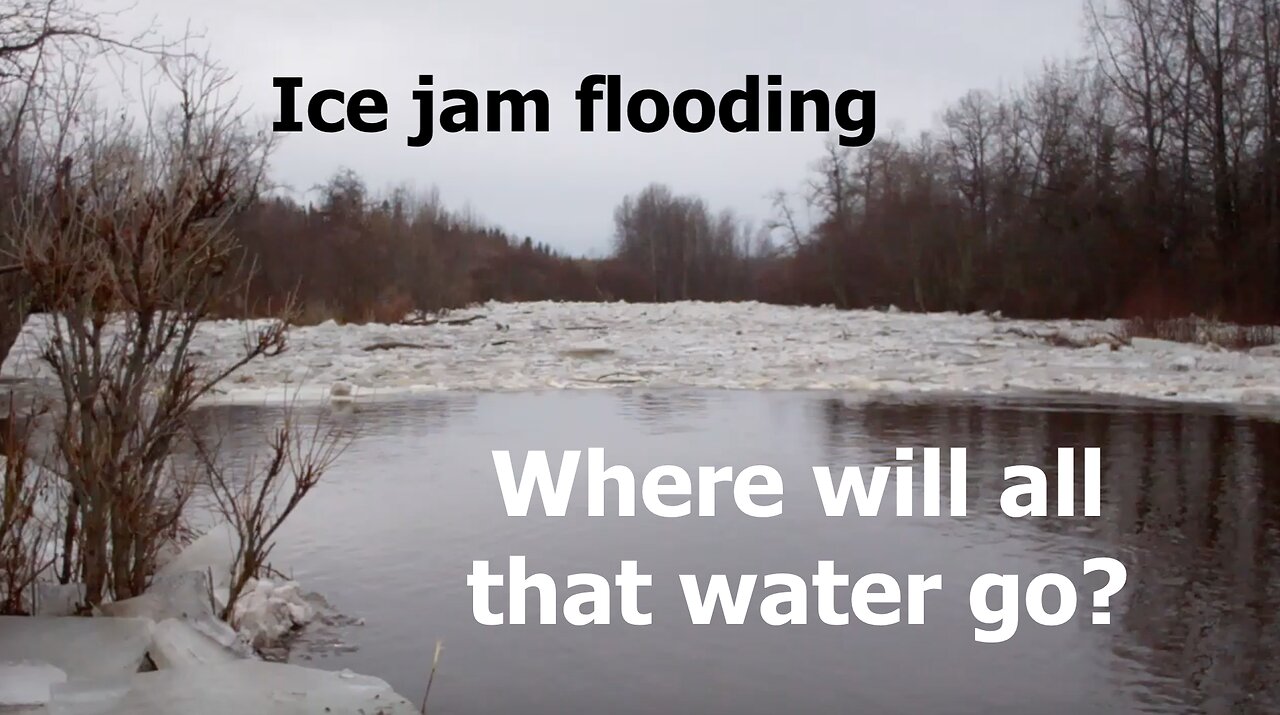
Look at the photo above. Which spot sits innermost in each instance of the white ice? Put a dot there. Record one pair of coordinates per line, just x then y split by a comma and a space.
531, 346
187, 597
27, 684
80, 647
175, 644
55, 599
266, 612
263, 614
232, 689
214, 553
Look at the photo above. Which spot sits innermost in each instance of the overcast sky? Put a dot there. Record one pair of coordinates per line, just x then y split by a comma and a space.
561, 187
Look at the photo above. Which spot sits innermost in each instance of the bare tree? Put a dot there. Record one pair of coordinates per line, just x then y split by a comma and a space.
257, 501
127, 246
46, 46
25, 533
686, 252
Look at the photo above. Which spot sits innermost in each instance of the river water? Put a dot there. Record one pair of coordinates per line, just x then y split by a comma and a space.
1190, 504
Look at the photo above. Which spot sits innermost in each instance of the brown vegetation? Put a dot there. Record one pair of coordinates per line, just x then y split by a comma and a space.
257, 500
359, 258
120, 230
1144, 181
24, 534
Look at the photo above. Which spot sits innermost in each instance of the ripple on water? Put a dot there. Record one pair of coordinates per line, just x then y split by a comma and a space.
1191, 503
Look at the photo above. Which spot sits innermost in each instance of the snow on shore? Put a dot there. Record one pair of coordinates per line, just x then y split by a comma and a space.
528, 346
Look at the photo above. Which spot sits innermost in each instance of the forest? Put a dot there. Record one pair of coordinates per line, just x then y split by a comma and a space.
1142, 179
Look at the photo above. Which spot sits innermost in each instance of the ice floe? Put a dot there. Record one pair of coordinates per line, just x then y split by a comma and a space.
531, 346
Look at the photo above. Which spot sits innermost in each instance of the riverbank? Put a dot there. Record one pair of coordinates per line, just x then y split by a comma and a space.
532, 346
168, 650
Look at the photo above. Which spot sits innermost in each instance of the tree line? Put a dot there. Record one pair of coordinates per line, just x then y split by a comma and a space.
354, 255
1141, 180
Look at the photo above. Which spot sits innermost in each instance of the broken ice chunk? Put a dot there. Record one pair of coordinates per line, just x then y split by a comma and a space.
214, 553
81, 647
265, 613
175, 644
341, 391
27, 684
187, 597
54, 599
243, 686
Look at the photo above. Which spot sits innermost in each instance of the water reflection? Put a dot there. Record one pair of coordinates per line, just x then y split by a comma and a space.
663, 411
1191, 498
1190, 504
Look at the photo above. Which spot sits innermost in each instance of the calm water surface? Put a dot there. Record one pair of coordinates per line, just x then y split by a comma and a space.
1191, 503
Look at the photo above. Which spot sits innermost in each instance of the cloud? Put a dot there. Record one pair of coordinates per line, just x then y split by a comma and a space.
561, 187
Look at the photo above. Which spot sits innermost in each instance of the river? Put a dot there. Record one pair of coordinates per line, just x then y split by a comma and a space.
1190, 504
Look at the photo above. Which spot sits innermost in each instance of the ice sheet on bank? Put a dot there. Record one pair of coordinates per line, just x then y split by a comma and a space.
264, 613
725, 345
80, 647
214, 551
27, 684
187, 597
214, 554
55, 599
175, 644
232, 689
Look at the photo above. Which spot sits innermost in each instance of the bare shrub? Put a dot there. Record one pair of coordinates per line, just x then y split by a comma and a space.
45, 48
391, 308
258, 498
25, 534
127, 247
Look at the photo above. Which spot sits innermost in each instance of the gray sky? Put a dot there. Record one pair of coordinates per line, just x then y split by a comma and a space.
561, 187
